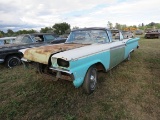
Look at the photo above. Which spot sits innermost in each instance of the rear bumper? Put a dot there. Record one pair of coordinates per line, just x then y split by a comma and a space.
1, 60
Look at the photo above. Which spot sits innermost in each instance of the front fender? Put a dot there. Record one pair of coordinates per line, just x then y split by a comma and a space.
80, 71
78, 67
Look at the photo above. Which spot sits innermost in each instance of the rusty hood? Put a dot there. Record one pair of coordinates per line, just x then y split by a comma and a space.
43, 53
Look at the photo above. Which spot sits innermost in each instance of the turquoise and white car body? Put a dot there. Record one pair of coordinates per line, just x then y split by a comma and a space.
107, 54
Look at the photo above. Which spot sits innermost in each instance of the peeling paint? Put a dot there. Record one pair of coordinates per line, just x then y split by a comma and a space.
42, 54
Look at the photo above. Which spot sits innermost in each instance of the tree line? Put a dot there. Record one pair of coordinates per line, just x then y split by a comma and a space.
65, 28
57, 28
151, 25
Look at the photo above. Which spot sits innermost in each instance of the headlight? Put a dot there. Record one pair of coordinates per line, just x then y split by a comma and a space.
62, 62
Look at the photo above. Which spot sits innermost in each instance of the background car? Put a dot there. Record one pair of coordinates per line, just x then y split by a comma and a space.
152, 34
138, 32
7, 40
127, 34
9, 54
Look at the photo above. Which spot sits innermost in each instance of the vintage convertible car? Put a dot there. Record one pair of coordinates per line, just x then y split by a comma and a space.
85, 52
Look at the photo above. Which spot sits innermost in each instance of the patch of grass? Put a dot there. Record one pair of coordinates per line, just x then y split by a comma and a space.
129, 91
69, 117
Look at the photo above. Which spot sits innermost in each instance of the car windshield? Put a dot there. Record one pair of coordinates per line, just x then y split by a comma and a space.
19, 39
88, 37
23, 39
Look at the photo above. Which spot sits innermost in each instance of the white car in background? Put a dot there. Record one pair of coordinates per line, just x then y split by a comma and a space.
7, 40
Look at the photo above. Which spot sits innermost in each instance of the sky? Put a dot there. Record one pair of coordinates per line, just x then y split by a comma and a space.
36, 14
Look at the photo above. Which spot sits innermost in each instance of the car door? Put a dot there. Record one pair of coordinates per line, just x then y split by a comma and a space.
117, 51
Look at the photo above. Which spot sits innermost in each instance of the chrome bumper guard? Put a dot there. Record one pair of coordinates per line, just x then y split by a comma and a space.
59, 74
60, 70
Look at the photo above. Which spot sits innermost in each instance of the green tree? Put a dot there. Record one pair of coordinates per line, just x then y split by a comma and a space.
1, 33
118, 26
10, 32
123, 26
152, 24
61, 28
110, 25
32, 31
25, 32
46, 30
158, 25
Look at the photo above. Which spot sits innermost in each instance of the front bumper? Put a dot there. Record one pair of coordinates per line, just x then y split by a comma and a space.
1, 60
60, 70
62, 74
76, 77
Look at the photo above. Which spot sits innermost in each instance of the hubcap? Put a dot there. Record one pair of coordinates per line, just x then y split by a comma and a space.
93, 79
13, 62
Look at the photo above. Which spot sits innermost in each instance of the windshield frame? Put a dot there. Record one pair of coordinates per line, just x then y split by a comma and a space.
89, 36
19, 39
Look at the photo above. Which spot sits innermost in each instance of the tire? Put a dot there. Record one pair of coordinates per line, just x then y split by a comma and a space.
41, 68
12, 61
129, 57
90, 80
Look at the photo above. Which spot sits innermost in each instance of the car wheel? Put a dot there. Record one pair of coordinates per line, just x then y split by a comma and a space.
90, 80
129, 57
41, 68
12, 61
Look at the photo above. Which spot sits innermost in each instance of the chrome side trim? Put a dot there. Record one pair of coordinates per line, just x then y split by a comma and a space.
1, 60
116, 47
60, 69
90, 54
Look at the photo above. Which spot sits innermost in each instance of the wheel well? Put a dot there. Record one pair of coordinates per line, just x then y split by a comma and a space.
100, 66
15, 54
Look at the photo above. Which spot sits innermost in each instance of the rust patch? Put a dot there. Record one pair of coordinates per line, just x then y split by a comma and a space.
42, 54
